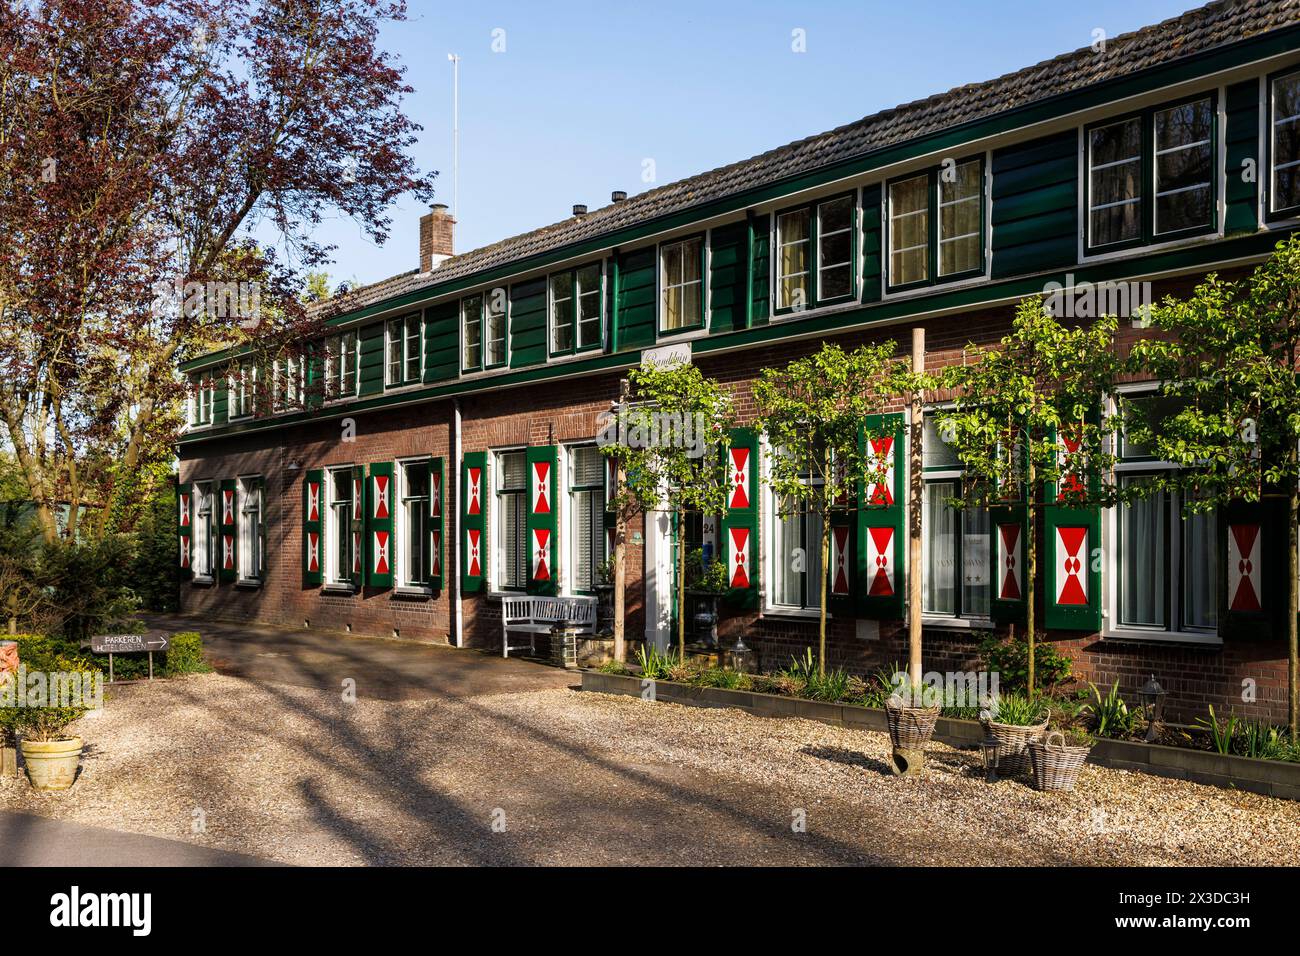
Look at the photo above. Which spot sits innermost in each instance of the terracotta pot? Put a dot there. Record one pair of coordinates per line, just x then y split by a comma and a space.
51, 764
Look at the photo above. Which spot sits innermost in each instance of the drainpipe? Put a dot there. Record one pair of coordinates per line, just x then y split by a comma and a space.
457, 630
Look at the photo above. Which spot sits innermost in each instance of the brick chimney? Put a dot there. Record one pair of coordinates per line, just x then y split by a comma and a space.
436, 230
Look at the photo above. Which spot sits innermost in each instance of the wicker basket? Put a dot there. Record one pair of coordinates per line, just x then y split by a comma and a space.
1012, 740
910, 728
1056, 766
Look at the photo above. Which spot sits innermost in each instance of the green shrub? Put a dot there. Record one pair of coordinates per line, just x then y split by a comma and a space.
37, 653
655, 665
1018, 710
185, 655
1010, 659
1113, 717
723, 677
612, 666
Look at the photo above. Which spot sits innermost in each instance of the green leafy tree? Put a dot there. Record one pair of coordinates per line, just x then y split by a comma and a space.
814, 412
668, 441
1029, 419
1233, 422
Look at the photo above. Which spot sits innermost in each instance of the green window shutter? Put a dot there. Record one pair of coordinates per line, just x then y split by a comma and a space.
1241, 141
228, 503
760, 289
740, 521
880, 584
541, 519
370, 365
312, 505
871, 254
356, 529
441, 342
841, 564
1253, 589
1008, 538
220, 397
437, 481
1071, 558
381, 541
185, 528
473, 519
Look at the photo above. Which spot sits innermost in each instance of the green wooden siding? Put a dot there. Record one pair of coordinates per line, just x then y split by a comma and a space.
871, 258
761, 291
372, 359
1035, 213
441, 341
220, 399
528, 323
728, 274
637, 301
1241, 138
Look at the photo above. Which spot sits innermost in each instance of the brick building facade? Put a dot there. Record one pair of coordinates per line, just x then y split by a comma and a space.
465, 383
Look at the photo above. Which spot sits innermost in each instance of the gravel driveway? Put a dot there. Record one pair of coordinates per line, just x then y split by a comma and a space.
556, 776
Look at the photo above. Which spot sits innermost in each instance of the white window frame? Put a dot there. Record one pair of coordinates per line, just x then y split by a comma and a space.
1089, 169
1111, 628
329, 538
341, 364
769, 515
569, 515
403, 578
813, 257
496, 525
891, 231
408, 331
1156, 153
465, 367
490, 295
1270, 91
702, 320
250, 501
203, 539
851, 262
940, 204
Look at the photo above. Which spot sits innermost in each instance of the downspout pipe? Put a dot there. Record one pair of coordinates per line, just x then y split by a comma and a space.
457, 622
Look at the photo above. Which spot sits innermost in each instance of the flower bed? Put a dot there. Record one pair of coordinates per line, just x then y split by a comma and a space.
1271, 777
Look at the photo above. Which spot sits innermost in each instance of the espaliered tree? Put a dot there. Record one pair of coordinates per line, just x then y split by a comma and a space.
667, 442
817, 413
1031, 431
1232, 424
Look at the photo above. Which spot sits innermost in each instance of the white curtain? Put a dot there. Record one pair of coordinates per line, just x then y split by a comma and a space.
1142, 556
938, 554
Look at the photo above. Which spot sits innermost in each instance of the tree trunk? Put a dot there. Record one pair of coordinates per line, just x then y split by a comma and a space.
620, 567
822, 588
1031, 572
914, 469
681, 585
1293, 608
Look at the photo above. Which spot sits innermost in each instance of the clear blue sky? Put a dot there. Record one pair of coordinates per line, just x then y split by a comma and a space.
584, 92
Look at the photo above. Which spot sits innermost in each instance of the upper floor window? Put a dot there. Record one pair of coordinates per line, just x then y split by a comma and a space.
243, 384
681, 285
1284, 145
1168, 150
341, 355
403, 364
815, 254
576, 310
288, 382
483, 330
935, 222
201, 397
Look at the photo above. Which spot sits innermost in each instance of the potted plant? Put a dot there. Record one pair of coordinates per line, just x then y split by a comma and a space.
706, 582
1013, 721
604, 588
1058, 758
911, 719
50, 754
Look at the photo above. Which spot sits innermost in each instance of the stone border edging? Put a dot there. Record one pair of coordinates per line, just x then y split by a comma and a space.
1273, 778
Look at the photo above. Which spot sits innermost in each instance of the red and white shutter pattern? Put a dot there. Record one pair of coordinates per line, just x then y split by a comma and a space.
228, 552
383, 560
1243, 568
185, 511
435, 495
185, 552
840, 561
880, 561
541, 488
740, 474
880, 489
475, 549
475, 492
358, 515
313, 551
738, 557
541, 546
185, 523
313, 537
313, 501
1009, 556
1070, 484
1072, 566
227, 507
435, 567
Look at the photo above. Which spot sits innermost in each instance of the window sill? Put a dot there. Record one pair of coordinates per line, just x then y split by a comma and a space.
940, 623
413, 591
1142, 248
796, 613
339, 589
251, 583
205, 580
1140, 636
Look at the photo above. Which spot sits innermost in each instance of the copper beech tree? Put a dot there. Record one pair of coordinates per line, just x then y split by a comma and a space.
154, 156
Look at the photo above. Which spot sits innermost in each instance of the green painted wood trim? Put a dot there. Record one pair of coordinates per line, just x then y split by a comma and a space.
1143, 81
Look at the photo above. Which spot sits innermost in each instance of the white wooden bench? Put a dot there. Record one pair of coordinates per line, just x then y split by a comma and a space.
537, 615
